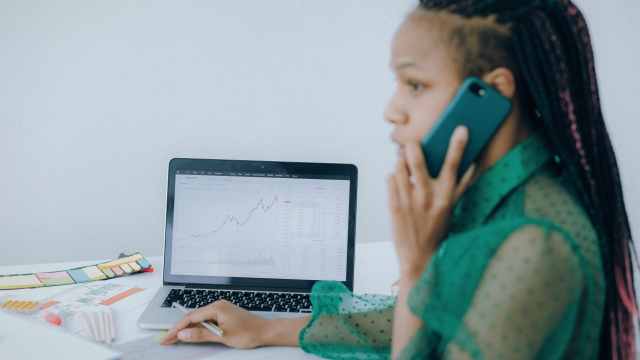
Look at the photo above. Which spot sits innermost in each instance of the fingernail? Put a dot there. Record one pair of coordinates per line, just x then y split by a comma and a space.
462, 130
184, 335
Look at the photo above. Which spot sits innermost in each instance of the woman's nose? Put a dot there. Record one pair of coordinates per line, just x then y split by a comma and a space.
394, 114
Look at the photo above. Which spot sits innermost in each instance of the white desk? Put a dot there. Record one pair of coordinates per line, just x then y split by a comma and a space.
375, 270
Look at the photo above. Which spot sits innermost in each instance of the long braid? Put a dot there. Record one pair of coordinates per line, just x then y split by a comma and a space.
553, 55
618, 221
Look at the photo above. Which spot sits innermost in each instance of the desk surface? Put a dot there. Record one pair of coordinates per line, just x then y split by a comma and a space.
375, 270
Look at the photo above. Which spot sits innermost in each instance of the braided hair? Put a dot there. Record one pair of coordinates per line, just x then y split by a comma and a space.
550, 48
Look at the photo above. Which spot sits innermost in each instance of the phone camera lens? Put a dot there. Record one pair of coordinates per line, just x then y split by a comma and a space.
477, 90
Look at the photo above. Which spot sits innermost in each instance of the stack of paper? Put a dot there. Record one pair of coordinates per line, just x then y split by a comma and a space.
96, 323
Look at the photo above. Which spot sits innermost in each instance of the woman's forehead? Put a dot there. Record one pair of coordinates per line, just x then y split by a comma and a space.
416, 42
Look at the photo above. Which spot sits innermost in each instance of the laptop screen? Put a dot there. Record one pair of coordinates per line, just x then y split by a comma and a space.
260, 225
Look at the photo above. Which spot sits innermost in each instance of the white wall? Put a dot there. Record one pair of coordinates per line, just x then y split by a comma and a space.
96, 97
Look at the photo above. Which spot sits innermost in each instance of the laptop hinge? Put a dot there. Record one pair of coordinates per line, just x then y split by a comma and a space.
245, 288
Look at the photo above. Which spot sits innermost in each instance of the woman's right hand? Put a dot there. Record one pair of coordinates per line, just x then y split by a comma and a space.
241, 328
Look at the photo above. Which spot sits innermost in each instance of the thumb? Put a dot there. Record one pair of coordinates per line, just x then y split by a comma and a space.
198, 334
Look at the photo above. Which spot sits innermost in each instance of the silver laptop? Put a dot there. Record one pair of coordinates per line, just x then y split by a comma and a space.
256, 233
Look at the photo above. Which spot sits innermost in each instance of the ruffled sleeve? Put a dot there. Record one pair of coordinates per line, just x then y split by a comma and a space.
348, 326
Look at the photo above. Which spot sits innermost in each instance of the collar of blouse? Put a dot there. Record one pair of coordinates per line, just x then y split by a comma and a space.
497, 182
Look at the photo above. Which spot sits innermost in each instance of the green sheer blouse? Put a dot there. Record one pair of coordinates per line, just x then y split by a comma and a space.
519, 276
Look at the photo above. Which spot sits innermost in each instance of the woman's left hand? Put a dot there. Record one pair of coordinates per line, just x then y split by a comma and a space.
421, 205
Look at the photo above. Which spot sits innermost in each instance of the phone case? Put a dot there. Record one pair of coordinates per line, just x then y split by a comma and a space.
480, 108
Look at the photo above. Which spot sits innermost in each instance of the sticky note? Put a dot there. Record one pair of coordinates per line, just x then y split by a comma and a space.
55, 278
94, 273
19, 281
126, 268
125, 260
134, 265
117, 270
144, 263
110, 274
120, 296
79, 275
107, 265
121, 266
134, 257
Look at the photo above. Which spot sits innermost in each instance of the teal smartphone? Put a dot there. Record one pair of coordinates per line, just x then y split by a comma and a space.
476, 105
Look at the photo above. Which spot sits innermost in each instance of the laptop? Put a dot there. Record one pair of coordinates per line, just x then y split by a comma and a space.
256, 233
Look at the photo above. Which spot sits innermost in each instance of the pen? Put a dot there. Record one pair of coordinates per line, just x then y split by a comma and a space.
211, 327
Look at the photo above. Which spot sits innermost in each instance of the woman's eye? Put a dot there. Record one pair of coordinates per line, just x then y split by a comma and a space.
415, 86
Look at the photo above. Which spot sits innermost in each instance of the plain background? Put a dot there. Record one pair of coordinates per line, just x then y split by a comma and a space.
97, 96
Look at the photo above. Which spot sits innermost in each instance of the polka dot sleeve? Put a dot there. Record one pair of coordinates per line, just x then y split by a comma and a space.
348, 326
515, 298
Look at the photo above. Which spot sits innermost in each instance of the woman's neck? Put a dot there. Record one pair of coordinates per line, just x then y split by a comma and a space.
512, 132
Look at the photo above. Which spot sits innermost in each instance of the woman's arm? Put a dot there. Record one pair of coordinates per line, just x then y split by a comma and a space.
283, 332
405, 323
363, 323
242, 329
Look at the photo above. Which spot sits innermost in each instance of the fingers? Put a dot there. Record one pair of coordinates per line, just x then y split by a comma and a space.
455, 151
208, 312
411, 178
405, 193
465, 182
171, 336
417, 164
394, 202
197, 335
402, 183
169, 339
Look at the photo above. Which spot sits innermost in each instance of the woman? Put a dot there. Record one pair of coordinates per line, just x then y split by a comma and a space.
528, 255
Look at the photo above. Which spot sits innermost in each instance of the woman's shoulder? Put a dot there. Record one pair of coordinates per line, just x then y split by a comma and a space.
553, 198
542, 220
548, 199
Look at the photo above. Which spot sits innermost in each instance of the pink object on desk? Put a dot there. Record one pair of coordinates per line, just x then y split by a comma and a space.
53, 318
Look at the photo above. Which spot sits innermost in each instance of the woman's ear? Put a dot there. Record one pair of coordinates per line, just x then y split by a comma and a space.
503, 80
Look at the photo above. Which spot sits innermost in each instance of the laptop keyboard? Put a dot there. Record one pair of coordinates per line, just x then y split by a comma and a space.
250, 300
